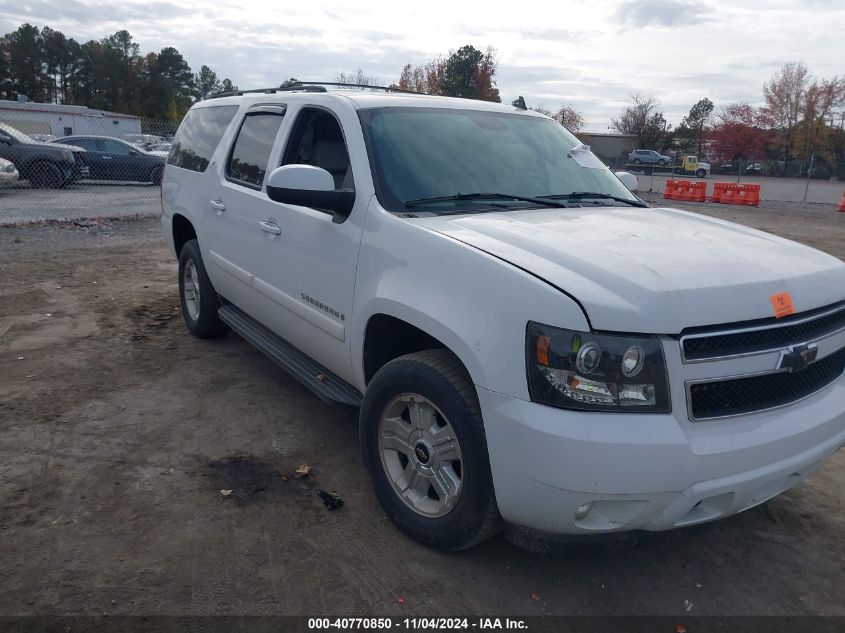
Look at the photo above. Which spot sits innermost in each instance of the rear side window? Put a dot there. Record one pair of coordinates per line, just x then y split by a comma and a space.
251, 152
198, 136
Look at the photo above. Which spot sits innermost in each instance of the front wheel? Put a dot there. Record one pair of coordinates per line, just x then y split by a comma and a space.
636, 161
701, 173
423, 443
155, 175
198, 298
661, 163
46, 176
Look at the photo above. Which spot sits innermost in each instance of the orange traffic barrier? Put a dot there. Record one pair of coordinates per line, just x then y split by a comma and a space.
841, 207
698, 192
730, 193
685, 191
749, 195
676, 189
725, 193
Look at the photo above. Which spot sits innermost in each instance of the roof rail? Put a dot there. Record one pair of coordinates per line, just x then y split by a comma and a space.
307, 86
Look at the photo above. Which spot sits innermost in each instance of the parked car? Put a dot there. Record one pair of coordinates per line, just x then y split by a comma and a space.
42, 164
43, 138
161, 149
113, 159
528, 343
143, 141
8, 173
648, 156
754, 169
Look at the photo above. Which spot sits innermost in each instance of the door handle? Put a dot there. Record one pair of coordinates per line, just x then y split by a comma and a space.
270, 227
218, 206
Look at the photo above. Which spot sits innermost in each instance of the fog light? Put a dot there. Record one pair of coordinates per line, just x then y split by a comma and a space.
582, 512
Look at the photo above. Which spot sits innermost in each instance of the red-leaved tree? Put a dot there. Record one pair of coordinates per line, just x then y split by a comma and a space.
741, 131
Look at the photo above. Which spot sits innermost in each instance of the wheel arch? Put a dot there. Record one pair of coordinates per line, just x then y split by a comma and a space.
182, 230
395, 330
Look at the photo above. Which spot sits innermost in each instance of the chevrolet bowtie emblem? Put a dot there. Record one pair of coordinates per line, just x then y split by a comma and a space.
797, 357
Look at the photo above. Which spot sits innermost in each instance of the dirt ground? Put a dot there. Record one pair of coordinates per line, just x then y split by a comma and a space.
118, 430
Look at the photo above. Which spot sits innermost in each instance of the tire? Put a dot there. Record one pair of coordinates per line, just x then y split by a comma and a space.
155, 175
46, 176
437, 387
701, 174
200, 316
661, 163
636, 161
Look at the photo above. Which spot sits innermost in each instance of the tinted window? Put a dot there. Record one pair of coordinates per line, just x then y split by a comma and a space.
113, 147
251, 152
88, 144
198, 136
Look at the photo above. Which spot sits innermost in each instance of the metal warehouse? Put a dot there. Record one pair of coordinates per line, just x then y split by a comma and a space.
64, 120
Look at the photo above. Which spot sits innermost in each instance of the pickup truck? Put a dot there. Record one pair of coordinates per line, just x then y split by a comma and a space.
530, 345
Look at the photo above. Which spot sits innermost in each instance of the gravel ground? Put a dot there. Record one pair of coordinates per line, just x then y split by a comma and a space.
118, 430
90, 200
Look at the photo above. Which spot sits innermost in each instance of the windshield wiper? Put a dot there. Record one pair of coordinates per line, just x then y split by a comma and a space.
544, 201
577, 195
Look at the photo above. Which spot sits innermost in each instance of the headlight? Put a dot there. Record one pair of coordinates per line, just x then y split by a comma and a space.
596, 372
10, 168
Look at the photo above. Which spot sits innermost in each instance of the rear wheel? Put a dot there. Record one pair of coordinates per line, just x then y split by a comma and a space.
198, 298
46, 176
423, 443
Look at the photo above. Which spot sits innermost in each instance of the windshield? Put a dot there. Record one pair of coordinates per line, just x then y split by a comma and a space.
16, 134
421, 153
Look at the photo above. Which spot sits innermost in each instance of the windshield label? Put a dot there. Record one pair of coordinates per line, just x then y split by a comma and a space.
585, 158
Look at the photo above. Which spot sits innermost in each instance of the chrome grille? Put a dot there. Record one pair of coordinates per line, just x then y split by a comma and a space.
735, 396
772, 334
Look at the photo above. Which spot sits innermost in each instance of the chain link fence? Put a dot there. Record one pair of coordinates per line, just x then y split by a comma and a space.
69, 162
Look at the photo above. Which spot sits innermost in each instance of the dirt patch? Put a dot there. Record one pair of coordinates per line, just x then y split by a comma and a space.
116, 441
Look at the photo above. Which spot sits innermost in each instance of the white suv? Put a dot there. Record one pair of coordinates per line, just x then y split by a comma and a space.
530, 345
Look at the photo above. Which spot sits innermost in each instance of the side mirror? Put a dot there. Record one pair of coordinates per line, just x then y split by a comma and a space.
628, 179
310, 186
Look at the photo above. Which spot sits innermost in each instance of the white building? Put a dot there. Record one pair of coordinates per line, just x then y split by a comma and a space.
64, 120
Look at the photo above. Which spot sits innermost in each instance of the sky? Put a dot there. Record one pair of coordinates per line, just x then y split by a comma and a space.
592, 55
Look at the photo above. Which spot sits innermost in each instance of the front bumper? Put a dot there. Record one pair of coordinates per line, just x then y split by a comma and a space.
569, 472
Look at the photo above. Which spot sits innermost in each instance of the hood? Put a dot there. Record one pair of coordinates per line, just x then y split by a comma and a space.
653, 270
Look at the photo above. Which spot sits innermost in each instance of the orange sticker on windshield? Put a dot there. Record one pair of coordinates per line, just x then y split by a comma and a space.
782, 304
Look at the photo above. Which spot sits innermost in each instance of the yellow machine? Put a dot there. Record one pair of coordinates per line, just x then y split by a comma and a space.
689, 165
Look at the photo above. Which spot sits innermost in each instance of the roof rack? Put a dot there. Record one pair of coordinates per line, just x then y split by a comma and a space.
307, 86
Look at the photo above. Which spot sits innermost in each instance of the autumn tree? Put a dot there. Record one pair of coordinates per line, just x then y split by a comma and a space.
822, 97
785, 94
644, 120
567, 115
740, 132
466, 72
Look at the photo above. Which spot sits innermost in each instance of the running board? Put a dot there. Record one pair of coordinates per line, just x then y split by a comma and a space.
320, 381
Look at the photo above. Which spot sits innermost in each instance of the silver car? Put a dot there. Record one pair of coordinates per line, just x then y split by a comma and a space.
648, 156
